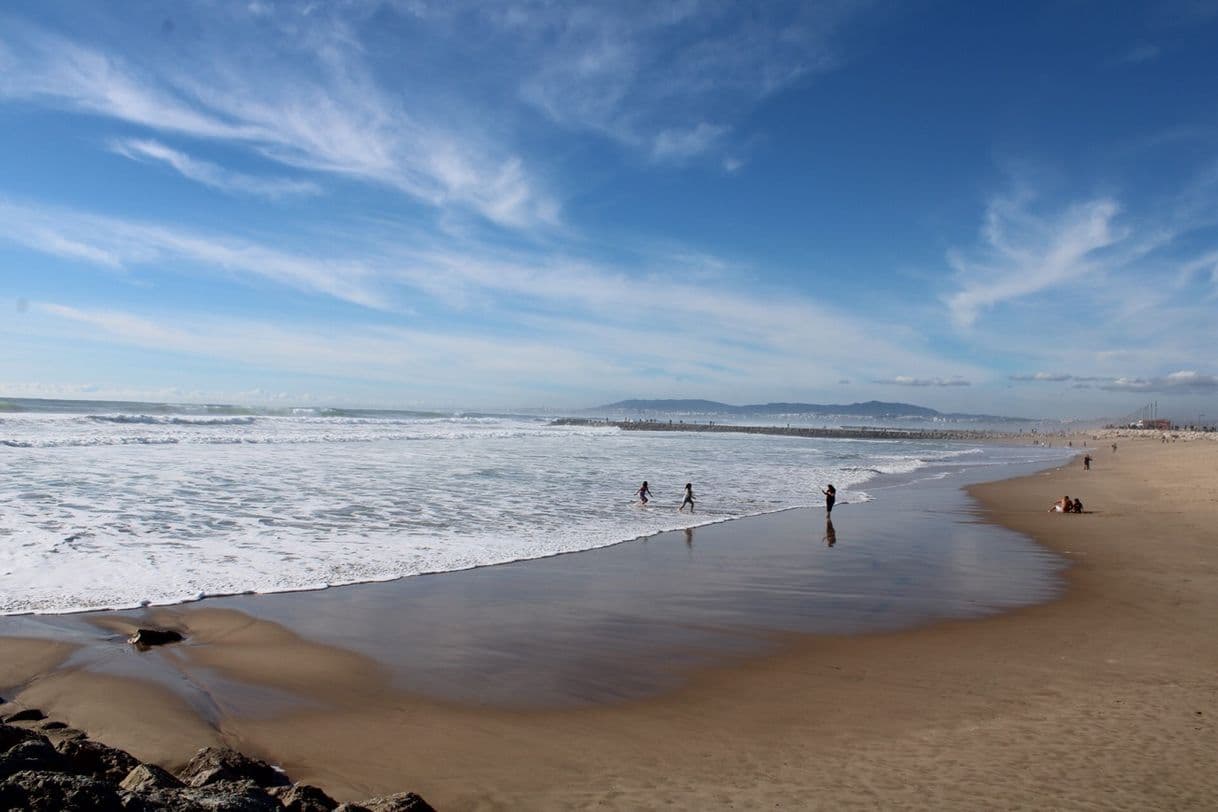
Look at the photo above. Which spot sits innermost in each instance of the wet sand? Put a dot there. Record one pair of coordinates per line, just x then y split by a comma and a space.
1103, 698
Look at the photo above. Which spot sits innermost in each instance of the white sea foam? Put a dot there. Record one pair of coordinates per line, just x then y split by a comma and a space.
116, 510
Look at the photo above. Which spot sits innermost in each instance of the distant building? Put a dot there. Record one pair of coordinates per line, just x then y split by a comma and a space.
1158, 424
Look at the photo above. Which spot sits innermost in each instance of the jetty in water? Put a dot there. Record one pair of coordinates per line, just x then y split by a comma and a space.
841, 432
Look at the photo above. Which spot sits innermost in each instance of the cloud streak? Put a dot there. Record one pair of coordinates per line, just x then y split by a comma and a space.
332, 117
213, 175
119, 244
908, 380
1024, 255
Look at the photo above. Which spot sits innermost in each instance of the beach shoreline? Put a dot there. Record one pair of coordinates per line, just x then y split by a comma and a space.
1102, 698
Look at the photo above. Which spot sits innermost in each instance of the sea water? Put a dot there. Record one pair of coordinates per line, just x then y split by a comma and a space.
118, 505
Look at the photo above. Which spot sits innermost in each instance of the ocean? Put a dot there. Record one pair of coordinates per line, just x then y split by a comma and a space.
118, 505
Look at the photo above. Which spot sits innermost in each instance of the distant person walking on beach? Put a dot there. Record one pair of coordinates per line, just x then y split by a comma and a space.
689, 498
830, 497
1114, 448
1086, 462
644, 493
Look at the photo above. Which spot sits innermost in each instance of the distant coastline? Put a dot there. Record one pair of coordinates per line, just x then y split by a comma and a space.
841, 432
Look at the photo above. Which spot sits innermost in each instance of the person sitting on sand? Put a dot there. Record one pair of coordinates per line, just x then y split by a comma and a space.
830, 497
1077, 507
689, 498
644, 492
1062, 505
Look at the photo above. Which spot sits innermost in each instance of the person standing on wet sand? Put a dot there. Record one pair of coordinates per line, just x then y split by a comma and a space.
830, 497
644, 493
1087, 462
689, 498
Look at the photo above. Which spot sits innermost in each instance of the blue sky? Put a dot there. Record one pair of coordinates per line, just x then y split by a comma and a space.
1001, 208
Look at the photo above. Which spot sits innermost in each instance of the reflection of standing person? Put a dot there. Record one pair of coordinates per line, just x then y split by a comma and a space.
1087, 462
830, 533
644, 492
830, 497
689, 498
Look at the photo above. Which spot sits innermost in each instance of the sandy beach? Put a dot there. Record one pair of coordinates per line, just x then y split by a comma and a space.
1101, 699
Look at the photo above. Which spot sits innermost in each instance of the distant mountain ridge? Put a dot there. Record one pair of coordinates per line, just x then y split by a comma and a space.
874, 409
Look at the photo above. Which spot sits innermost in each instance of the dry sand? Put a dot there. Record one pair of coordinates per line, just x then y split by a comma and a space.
1104, 699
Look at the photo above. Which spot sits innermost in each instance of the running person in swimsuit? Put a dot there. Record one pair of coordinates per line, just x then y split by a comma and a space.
830, 497
689, 498
644, 492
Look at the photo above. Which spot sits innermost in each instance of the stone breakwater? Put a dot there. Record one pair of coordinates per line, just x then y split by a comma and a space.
46, 766
843, 432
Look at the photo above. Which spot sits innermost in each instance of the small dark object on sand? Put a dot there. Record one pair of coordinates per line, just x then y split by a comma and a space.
27, 715
146, 638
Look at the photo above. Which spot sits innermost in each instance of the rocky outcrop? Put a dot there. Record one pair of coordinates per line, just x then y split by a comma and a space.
90, 758
213, 764
147, 777
401, 802
54, 768
42, 791
304, 798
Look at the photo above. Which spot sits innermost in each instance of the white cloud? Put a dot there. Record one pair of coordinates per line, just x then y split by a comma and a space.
319, 110
1043, 376
1024, 255
116, 243
907, 380
1142, 52
1188, 382
209, 174
640, 72
678, 144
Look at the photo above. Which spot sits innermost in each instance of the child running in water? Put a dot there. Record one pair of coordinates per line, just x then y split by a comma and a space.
644, 493
689, 498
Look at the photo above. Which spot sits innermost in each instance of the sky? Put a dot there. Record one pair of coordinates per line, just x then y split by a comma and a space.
981, 207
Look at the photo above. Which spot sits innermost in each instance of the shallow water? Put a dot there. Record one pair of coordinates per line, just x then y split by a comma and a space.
124, 504
636, 619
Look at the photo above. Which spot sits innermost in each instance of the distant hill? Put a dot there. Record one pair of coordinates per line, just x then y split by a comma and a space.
872, 409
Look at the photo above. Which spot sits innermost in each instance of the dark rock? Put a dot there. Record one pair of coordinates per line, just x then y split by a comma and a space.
58, 792
52, 726
351, 808
144, 777
34, 754
303, 798
63, 734
27, 715
10, 735
145, 638
92, 758
223, 796
400, 802
212, 764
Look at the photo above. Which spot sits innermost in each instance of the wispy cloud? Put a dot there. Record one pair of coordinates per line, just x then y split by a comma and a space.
118, 244
1043, 376
907, 380
1140, 53
639, 72
1188, 382
213, 175
320, 110
1024, 254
